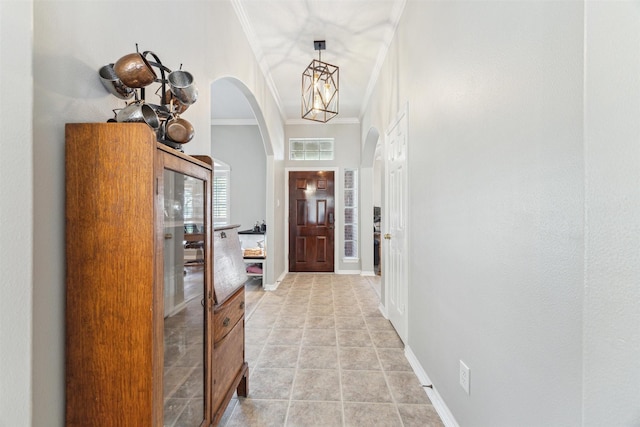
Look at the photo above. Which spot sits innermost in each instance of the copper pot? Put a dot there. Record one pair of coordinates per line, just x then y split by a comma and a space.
179, 130
134, 70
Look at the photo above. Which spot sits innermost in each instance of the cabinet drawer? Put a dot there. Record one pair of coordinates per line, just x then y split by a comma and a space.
227, 315
228, 356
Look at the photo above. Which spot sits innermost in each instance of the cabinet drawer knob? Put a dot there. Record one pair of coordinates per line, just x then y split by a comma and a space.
242, 304
226, 321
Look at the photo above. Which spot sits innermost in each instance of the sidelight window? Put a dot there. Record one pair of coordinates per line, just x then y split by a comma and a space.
351, 213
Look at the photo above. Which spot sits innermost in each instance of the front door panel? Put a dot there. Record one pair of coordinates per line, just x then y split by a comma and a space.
311, 221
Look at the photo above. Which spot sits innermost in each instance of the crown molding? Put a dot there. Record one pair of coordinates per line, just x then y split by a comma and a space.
258, 53
334, 121
396, 14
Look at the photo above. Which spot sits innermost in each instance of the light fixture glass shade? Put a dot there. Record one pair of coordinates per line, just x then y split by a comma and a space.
320, 85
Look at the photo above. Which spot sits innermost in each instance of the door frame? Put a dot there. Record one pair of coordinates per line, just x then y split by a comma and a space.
337, 190
403, 115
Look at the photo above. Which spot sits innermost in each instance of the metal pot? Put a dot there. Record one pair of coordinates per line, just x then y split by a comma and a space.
177, 106
113, 84
182, 87
138, 113
179, 130
134, 70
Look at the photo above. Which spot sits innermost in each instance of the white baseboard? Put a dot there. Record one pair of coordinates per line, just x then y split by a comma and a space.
368, 273
273, 287
268, 287
177, 308
347, 271
383, 310
438, 404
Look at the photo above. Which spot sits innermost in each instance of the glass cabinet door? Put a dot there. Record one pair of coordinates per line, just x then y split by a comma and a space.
184, 299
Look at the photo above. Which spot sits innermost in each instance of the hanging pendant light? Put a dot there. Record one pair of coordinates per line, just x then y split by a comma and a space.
320, 85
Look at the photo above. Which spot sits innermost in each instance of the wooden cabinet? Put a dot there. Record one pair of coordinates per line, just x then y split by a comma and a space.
140, 327
230, 371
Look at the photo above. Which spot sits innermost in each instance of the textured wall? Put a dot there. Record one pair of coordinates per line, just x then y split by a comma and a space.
494, 94
16, 212
612, 159
242, 149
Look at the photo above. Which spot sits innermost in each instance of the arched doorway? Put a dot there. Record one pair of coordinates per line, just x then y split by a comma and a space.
371, 202
239, 138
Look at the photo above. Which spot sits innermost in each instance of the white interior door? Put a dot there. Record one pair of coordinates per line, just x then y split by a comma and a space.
395, 225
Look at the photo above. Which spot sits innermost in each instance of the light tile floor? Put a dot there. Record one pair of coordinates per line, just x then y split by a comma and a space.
321, 354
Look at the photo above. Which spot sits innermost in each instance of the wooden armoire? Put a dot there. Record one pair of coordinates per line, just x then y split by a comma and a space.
142, 314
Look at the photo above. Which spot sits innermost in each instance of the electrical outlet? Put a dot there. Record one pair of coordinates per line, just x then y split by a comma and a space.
464, 376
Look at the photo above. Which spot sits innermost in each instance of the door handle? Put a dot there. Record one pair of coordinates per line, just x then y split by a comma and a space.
387, 236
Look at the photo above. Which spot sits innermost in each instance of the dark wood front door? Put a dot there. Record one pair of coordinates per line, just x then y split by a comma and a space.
311, 221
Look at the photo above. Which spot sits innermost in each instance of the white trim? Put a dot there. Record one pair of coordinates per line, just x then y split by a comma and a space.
334, 121
259, 54
273, 287
402, 118
177, 308
267, 287
436, 400
337, 187
347, 272
368, 273
387, 38
383, 310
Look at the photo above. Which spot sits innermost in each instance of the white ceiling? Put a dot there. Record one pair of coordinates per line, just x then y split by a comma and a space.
281, 33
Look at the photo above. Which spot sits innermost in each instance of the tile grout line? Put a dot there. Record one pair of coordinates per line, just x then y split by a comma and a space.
295, 371
335, 330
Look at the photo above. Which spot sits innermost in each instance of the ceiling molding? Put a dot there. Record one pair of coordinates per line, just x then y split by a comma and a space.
396, 14
257, 51
334, 121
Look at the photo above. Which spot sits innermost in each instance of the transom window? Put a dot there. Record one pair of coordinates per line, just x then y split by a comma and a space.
311, 149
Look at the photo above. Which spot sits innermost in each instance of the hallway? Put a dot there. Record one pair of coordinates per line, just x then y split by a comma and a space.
321, 354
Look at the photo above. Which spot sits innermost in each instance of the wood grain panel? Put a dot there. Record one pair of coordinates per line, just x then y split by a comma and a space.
301, 249
321, 249
311, 230
301, 212
227, 315
321, 212
109, 329
114, 274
